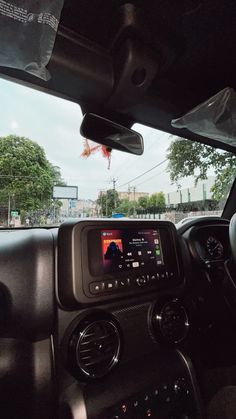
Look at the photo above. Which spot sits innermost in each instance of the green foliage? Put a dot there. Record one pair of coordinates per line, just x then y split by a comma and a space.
157, 202
187, 158
143, 202
108, 202
124, 206
127, 207
153, 204
26, 176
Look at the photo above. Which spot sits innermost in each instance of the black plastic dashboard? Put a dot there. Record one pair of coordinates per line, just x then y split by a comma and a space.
119, 352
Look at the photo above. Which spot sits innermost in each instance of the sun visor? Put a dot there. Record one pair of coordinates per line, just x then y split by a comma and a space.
215, 118
27, 34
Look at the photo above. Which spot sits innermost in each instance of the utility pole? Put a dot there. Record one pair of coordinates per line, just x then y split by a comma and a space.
113, 180
134, 191
129, 190
54, 211
9, 211
106, 206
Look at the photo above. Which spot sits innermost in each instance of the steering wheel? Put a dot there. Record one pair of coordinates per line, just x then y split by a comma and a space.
232, 236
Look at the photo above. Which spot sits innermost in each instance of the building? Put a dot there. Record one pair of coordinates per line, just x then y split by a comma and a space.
132, 195
199, 193
78, 208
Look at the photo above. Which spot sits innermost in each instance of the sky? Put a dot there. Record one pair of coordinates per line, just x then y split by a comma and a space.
54, 124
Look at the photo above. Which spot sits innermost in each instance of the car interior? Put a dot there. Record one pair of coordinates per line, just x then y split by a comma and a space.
79, 338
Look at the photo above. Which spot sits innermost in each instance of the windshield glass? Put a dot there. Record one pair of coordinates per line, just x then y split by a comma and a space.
46, 180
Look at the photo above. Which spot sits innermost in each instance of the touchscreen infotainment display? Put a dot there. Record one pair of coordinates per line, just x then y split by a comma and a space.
127, 249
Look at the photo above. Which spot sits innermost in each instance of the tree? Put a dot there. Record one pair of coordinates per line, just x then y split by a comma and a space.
26, 176
157, 202
108, 202
187, 158
143, 203
124, 206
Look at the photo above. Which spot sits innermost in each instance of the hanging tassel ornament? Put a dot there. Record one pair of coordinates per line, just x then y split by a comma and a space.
91, 148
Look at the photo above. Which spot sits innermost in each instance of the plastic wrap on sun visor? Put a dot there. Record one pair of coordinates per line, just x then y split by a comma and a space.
27, 34
215, 118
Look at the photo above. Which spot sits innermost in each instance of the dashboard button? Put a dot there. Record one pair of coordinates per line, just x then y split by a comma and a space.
125, 409
141, 281
111, 285
149, 413
123, 283
181, 388
96, 287
146, 397
156, 393
136, 403
165, 394
135, 264
154, 279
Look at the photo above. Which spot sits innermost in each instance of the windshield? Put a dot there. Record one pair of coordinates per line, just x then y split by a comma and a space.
47, 176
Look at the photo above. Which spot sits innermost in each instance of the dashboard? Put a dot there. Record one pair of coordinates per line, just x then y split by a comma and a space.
104, 319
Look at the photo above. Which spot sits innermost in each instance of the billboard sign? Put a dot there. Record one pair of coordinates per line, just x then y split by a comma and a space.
65, 192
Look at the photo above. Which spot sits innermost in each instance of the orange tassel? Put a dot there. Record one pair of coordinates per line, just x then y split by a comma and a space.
89, 149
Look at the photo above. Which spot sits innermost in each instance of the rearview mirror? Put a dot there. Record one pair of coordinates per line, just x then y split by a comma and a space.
111, 134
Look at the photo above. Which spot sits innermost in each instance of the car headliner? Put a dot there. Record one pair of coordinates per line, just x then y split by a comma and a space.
192, 45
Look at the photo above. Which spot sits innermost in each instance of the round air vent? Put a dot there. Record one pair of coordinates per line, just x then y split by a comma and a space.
169, 322
94, 346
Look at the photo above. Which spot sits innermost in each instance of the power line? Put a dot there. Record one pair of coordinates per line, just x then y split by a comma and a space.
150, 178
142, 174
123, 164
130, 159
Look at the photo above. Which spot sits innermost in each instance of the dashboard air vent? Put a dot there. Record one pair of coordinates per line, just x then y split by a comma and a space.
94, 347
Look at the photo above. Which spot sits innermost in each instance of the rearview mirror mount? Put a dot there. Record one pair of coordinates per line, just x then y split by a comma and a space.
112, 135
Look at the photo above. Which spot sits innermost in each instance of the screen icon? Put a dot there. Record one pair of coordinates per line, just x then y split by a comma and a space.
135, 264
139, 253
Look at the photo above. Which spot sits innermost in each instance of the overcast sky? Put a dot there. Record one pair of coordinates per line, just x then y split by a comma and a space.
55, 123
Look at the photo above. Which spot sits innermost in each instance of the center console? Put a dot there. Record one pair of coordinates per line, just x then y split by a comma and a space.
122, 322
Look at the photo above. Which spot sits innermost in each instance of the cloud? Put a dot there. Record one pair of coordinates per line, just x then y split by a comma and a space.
14, 125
